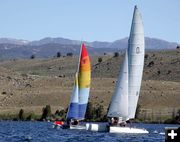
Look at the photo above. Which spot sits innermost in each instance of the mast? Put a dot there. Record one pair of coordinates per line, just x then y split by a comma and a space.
79, 57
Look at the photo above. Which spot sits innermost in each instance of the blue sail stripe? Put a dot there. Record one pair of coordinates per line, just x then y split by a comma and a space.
83, 100
77, 111
82, 110
73, 111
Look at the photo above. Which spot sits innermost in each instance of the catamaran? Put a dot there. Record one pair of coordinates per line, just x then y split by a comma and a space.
124, 100
79, 97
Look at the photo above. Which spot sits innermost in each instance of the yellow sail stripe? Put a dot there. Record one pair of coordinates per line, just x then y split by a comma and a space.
84, 79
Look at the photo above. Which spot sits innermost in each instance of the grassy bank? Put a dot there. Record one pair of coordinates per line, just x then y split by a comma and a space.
94, 113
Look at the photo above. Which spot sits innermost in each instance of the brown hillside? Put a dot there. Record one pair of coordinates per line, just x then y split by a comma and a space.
32, 84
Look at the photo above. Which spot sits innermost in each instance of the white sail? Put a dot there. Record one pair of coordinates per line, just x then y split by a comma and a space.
119, 102
73, 109
135, 60
124, 101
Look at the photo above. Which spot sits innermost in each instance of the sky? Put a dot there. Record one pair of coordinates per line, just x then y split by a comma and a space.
90, 20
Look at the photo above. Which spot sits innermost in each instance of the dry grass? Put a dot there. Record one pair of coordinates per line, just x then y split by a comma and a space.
32, 84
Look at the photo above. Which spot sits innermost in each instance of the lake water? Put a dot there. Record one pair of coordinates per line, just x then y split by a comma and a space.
11, 131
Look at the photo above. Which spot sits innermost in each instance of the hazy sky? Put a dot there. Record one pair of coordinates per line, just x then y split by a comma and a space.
103, 20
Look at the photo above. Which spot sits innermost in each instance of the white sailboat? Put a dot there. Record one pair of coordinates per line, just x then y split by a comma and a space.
124, 100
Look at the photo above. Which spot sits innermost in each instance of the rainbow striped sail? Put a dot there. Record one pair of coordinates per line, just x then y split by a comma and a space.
80, 94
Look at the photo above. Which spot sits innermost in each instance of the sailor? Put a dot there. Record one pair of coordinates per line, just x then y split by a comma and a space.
114, 121
74, 122
123, 124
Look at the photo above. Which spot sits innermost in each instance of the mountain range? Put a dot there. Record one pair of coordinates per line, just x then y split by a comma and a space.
48, 47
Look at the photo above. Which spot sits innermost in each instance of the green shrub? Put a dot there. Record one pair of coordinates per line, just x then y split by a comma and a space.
58, 54
116, 54
21, 114
99, 60
46, 112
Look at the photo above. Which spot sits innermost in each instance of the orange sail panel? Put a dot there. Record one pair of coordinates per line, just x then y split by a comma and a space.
84, 81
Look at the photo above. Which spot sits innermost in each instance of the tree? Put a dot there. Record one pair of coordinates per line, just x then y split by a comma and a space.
62, 113
138, 109
58, 54
169, 71
57, 112
173, 114
178, 112
116, 54
89, 111
46, 112
69, 54
99, 60
178, 116
32, 57
94, 113
151, 64
99, 112
146, 56
21, 114
159, 72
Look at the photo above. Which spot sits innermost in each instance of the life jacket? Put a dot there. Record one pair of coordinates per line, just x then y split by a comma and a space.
58, 122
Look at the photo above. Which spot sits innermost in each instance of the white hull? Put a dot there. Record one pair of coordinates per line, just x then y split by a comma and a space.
130, 130
78, 127
114, 129
97, 127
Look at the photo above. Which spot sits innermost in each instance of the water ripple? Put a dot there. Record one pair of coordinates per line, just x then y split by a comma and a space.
43, 132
